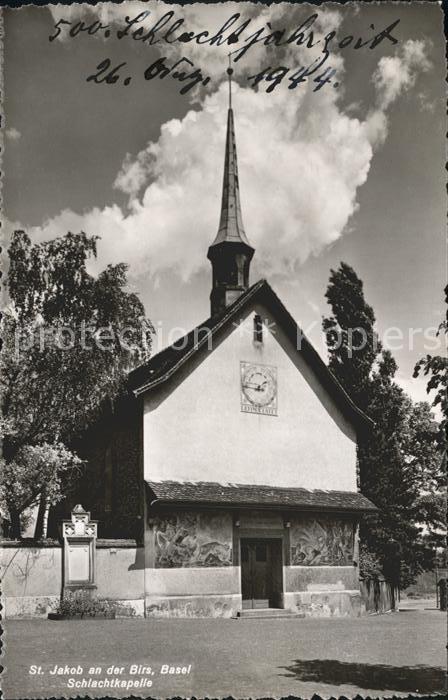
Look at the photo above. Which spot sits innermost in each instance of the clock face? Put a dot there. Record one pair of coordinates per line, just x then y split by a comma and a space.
258, 389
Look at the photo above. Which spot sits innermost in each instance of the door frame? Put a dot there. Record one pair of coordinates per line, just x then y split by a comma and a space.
262, 534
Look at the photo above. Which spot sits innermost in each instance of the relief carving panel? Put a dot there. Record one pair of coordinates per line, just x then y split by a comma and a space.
189, 539
323, 541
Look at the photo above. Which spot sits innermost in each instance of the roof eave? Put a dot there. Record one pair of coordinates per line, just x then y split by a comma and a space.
260, 506
366, 422
238, 304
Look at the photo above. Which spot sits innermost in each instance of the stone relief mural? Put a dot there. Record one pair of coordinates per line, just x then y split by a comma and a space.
322, 542
193, 539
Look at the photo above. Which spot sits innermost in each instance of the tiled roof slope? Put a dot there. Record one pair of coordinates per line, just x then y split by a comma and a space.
163, 365
208, 492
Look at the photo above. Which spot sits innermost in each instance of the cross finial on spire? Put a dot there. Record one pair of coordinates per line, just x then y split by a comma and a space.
230, 73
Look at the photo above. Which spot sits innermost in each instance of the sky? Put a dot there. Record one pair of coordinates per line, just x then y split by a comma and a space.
353, 172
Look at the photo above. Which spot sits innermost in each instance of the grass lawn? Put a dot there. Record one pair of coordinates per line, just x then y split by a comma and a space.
380, 655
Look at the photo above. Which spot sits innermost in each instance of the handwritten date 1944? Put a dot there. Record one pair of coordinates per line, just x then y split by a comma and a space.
179, 71
274, 76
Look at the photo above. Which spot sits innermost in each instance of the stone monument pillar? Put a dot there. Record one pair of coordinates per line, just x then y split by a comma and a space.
79, 535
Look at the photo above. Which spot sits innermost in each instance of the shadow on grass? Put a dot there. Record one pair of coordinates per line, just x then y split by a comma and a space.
421, 679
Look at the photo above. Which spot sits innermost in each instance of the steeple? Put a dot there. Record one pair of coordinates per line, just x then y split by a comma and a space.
230, 253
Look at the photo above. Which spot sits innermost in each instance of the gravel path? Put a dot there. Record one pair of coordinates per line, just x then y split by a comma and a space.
379, 655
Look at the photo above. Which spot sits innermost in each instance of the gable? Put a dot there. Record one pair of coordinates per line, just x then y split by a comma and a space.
169, 361
195, 428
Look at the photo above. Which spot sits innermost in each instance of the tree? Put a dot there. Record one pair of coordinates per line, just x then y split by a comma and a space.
35, 473
391, 481
69, 339
423, 445
351, 339
436, 368
392, 465
433, 500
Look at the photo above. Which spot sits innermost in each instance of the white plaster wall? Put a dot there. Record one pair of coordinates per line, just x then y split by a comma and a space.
31, 580
195, 581
119, 573
194, 429
31, 571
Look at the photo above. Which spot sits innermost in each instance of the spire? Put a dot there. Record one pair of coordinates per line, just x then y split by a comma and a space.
230, 252
231, 227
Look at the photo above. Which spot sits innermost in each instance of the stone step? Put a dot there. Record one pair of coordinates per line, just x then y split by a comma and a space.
271, 613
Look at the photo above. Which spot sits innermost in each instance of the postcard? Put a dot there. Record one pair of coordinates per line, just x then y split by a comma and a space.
223, 376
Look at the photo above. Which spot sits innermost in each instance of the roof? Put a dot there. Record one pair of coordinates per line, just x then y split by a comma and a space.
162, 366
251, 495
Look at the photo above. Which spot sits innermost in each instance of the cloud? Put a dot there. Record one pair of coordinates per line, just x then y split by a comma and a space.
393, 76
302, 159
396, 74
13, 134
315, 307
425, 104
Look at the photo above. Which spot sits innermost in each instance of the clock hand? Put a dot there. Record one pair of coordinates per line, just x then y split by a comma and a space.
261, 386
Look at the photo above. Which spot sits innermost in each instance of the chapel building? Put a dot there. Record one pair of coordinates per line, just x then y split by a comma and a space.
234, 462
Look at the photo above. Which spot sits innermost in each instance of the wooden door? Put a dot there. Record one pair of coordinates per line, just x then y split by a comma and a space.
261, 573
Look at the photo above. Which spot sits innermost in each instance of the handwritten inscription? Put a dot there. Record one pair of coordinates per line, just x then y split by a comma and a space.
274, 76
236, 32
105, 73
